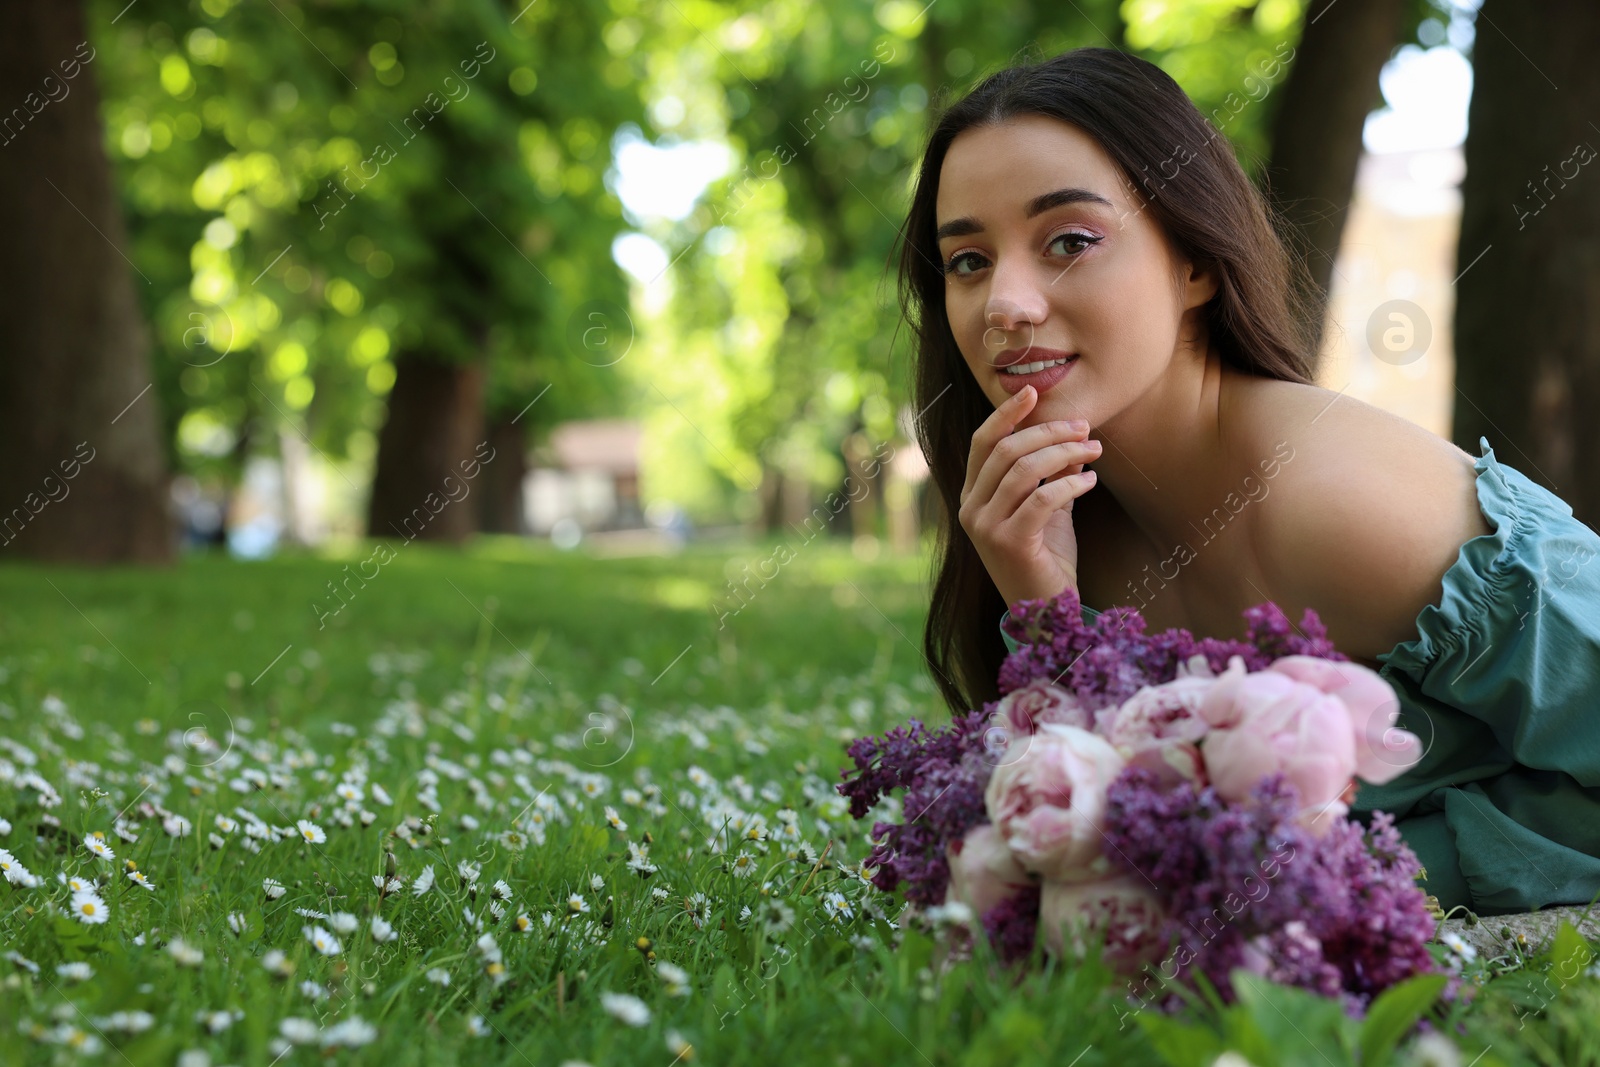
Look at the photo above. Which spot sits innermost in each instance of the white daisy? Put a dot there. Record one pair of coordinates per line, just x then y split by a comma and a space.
310, 832
214, 1021
322, 940
87, 907
298, 1031
438, 976
424, 881
349, 1033
381, 930
15, 872
127, 1022
344, 923
177, 826
626, 1008
138, 879
1460, 946
96, 844
186, 954
21, 961
78, 971
675, 978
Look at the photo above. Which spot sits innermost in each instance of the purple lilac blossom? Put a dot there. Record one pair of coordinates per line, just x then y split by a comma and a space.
943, 772
1013, 924
1107, 662
1246, 886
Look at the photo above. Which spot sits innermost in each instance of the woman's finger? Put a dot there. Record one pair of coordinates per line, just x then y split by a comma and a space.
1017, 446
1046, 500
993, 430
1047, 464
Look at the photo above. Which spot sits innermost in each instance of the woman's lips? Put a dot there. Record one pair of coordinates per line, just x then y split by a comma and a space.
1041, 380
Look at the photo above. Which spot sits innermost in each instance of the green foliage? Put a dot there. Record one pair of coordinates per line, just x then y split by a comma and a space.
317, 190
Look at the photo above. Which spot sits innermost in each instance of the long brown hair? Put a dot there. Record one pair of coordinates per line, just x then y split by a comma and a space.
1210, 212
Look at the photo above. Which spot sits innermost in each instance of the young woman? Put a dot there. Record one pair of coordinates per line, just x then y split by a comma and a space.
1116, 399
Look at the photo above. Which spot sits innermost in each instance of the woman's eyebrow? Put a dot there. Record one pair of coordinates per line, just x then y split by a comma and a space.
1037, 206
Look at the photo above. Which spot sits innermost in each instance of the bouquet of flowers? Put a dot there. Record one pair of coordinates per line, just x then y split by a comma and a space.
1181, 803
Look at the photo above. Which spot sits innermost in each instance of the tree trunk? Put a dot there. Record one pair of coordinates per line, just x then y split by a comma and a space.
1527, 320
500, 484
83, 473
432, 452
1316, 132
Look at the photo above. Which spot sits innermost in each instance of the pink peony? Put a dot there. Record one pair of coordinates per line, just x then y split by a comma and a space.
1126, 909
1159, 728
983, 872
1383, 750
1023, 711
1048, 802
1265, 722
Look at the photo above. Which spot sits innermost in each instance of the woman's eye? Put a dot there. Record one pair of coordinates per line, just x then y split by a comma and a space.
1083, 240
955, 262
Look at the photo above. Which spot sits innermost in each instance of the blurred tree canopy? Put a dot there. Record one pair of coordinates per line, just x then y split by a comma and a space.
326, 193
360, 214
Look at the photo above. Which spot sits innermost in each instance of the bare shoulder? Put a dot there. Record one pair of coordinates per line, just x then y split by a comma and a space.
1366, 512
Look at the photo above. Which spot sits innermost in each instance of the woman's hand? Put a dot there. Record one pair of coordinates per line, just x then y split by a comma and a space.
1022, 529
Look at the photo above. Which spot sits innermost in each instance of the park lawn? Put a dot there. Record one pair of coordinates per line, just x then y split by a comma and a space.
623, 789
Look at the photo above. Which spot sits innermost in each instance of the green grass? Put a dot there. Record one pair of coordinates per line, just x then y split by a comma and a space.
474, 689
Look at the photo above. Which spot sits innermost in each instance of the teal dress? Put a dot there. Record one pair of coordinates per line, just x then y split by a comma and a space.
1502, 684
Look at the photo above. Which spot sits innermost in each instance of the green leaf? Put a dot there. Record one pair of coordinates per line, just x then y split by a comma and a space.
915, 952
1395, 1012
1569, 953
1015, 1034
1289, 1026
1181, 1044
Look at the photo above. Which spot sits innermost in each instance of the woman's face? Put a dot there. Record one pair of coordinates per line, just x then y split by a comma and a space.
1047, 251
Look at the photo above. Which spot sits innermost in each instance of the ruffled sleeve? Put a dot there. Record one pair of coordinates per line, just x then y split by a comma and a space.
1502, 684
1514, 640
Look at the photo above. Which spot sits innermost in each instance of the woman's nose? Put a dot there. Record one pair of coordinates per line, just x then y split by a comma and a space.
1016, 300
1011, 321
